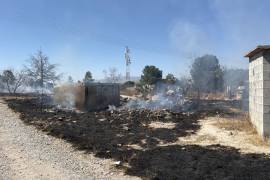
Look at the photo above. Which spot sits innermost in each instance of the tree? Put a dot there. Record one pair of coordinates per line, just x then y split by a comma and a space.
170, 79
144, 89
88, 77
151, 75
235, 77
112, 76
41, 70
185, 85
8, 78
70, 80
207, 74
2, 85
127, 84
12, 80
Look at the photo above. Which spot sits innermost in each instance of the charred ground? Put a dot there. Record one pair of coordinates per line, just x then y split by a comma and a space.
144, 151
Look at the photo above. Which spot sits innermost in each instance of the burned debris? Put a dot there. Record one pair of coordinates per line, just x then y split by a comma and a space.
143, 142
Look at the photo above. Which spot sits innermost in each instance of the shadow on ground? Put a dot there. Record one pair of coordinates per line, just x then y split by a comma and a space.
143, 150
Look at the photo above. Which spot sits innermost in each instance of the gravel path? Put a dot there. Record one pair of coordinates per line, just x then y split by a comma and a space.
26, 153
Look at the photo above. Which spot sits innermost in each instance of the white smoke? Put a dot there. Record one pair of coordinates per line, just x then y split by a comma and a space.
188, 38
64, 96
165, 97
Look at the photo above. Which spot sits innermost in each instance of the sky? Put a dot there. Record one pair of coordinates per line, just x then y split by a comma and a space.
82, 35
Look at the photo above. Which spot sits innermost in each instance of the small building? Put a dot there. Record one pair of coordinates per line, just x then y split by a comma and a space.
97, 96
240, 92
259, 89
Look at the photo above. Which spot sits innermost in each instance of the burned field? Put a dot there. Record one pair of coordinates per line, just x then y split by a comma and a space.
141, 148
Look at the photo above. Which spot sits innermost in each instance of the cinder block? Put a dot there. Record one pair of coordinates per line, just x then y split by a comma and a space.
266, 93
266, 108
266, 101
266, 118
266, 84
260, 60
266, 75
266, 125
266, 66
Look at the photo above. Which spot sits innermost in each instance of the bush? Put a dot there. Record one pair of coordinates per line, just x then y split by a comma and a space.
127, 84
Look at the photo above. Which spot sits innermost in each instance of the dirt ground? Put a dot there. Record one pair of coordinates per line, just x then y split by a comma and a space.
26, 153
210, 134
158, 144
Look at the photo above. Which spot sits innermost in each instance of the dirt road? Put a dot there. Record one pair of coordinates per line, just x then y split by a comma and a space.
26, 153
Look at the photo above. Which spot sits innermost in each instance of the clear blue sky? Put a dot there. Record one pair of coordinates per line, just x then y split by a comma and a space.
82, 35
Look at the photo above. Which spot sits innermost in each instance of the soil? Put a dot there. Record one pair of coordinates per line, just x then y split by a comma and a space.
210, 134
143, 143
26, 153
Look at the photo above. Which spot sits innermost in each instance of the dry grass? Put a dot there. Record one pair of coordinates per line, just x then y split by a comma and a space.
165, 125
205, 138
257, 140
239, 123
242, 124
214, 96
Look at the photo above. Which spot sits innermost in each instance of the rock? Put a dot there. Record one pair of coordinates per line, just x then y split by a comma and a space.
125, 128
102, 119
117, 163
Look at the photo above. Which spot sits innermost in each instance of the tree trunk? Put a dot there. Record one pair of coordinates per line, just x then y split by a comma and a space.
42, 83
9, 90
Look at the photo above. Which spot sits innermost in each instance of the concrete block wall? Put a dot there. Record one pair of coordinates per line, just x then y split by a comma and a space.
259, 92
256, 92
266, 93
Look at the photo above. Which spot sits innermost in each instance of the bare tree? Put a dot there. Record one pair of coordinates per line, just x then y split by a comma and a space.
12, 79
40, 69
185, 85
112, 75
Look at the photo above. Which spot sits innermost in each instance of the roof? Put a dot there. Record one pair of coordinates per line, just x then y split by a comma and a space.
257, 50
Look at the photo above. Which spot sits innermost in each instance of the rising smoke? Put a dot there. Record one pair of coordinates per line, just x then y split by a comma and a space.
64, 96
163, 96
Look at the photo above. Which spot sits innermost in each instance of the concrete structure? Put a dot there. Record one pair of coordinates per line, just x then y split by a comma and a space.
97, 96
259, 89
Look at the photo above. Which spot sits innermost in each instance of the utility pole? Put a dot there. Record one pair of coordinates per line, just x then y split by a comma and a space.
128, 62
